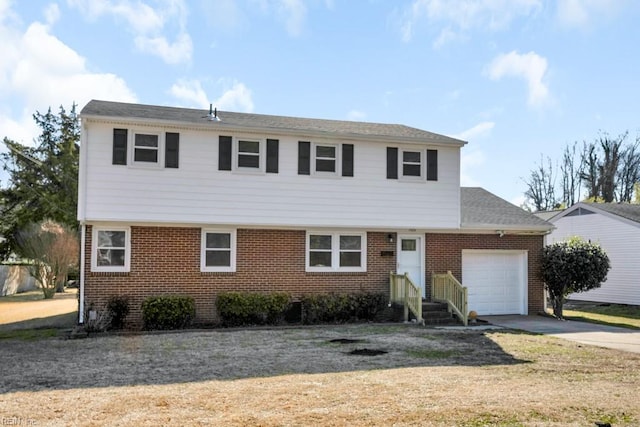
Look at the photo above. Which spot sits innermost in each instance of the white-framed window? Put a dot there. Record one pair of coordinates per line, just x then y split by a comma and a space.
111, 249
336, 251
412, 164
147, 149
249, 155
218, 250
325, 159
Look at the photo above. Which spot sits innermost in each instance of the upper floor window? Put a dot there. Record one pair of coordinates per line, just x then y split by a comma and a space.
148, 149
145, 148
325, 159
247, 154
111, 249
412, 164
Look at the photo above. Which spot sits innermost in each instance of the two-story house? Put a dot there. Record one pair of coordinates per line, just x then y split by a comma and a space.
182, 201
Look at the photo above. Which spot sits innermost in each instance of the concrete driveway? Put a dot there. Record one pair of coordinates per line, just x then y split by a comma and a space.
582, 332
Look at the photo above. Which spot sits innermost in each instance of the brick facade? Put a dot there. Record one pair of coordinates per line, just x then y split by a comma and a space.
444, 253
166, 260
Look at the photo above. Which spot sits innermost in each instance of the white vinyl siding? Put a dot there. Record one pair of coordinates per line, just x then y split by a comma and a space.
621, 240
198, 193
336, 251
110, 249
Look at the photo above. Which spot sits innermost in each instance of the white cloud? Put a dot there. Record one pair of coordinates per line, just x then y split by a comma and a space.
530, 67
147, 24
293, 13
38, 71
584, 13
356, 115
455, 18
52, 14
480, 130
235, 97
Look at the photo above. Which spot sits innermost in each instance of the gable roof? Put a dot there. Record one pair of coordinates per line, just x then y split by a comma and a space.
625, 211
482, 210
262, 122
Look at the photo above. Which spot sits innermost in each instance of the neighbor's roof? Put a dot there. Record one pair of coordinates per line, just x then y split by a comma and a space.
481, 209
262, 122
547, 215
627, 211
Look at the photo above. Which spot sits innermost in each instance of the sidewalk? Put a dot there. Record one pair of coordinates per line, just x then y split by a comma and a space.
582, 332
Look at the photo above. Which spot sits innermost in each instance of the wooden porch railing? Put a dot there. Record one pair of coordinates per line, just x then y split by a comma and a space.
446, 288
403, 291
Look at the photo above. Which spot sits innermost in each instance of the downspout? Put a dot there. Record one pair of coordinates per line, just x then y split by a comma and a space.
83, 234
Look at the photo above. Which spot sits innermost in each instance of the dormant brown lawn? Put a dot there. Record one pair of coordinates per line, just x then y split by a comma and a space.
274, 377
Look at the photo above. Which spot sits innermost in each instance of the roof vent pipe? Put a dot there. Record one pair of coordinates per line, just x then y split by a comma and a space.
213, 114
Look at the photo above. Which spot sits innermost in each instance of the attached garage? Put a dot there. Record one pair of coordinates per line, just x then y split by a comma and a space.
496, 281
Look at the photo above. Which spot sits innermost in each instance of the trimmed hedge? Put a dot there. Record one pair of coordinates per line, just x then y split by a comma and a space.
168, 312
243, 308
340, 308
118, 307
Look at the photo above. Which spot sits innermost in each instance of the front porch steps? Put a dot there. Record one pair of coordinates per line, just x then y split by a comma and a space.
435, 313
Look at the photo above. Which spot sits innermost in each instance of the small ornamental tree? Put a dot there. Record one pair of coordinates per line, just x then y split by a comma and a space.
572, 266
52, 250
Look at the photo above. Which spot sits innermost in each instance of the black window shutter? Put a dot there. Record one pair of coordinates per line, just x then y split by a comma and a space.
304, 158
224, 153
347, 159
272, 155
432, 165
171, 150
392, 163
119, 147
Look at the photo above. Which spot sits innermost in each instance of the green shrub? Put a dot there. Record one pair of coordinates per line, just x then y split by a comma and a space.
168, 312
118, 308
241, 308
340, 308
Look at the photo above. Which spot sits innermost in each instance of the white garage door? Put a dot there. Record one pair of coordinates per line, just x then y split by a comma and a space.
496, 281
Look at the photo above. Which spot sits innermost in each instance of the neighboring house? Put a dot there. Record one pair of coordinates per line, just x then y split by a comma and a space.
616, 227
176, 201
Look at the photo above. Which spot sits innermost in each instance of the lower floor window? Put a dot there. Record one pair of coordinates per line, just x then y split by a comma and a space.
111, 249
218, 251
338, 251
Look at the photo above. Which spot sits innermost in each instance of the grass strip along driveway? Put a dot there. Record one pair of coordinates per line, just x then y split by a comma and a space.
309, 376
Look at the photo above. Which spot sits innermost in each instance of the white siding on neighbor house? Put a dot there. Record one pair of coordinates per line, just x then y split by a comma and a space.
621, 241
198, 193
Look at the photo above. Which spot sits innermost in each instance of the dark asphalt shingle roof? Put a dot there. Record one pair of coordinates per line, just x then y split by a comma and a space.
263, 122
482, 209
624, 210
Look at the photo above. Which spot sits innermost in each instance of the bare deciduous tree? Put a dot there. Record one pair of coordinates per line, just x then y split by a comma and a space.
541, 186
571, 169
52, 250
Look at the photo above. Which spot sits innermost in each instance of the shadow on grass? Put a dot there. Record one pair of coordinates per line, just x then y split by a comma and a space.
601, 322
194, 356
60, 321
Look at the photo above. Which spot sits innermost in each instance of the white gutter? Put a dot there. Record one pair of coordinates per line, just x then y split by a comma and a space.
83, 233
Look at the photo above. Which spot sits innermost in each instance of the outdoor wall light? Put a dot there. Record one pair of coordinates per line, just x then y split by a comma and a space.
390, 237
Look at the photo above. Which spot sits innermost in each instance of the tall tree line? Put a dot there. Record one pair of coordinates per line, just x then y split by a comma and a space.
604, 170
43, 179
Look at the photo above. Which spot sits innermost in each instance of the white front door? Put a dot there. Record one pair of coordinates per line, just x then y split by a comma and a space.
411, 259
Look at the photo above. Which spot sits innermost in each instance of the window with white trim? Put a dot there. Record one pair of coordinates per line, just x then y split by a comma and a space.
249, 155
146, 149
336, 251
218, 251
412, 164
325, 159
111, 249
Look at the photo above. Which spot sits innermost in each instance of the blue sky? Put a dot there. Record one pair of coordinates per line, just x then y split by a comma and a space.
516, 78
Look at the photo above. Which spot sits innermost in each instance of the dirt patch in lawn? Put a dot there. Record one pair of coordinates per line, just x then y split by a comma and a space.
298, 377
